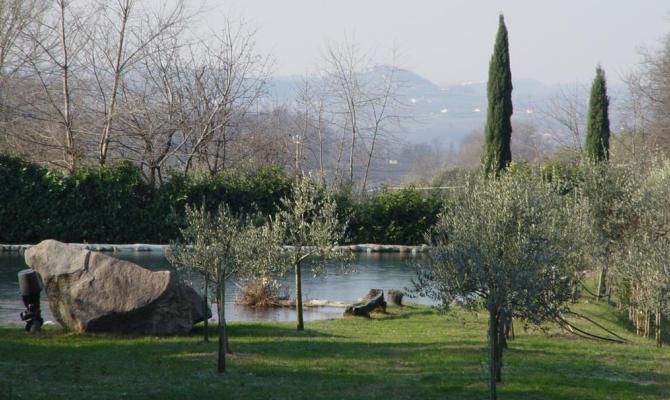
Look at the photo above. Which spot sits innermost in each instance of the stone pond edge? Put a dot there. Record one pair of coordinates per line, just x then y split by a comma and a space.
161, 248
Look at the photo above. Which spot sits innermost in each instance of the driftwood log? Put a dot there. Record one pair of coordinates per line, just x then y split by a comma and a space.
372, 302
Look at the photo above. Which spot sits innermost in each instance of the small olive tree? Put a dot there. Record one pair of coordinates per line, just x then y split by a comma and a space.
308, 225
508, 245
219, 246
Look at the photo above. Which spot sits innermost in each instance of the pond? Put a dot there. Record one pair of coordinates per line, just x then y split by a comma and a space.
373, 270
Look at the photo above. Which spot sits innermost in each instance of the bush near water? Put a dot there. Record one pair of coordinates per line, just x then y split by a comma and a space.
114, 204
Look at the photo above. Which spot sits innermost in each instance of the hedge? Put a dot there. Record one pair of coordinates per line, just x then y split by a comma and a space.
114, 205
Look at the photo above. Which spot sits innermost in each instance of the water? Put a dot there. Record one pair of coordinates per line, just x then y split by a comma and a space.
376, 270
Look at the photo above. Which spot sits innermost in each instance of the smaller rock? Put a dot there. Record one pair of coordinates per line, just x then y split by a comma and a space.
395, 296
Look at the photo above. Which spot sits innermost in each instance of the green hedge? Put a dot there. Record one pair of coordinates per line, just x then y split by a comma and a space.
394, 217
114, 205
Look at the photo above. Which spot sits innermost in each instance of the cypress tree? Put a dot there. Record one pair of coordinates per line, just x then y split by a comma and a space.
597, 144
497, 153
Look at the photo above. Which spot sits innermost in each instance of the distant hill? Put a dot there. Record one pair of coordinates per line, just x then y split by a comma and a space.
447, 113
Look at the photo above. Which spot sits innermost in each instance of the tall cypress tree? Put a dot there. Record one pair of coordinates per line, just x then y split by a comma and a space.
597, 144
498, 130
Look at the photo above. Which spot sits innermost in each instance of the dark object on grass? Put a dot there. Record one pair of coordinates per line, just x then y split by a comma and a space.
93, 292
30, 288
372, 302
395, 296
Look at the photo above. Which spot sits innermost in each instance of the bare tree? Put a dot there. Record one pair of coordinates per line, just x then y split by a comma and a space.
565, 115
135, 29
18, 18
150, 113
364, 102
59, 41
223, 78
649, 105
343, 74
312, 126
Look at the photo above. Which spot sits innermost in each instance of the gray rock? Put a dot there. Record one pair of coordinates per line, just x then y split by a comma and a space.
93, 292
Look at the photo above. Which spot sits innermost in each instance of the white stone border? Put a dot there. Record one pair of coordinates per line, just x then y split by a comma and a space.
161, 248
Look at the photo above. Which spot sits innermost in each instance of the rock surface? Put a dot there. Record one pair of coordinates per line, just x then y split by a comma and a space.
93, 292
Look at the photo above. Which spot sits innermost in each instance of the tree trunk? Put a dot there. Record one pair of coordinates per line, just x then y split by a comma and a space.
321, 171
637, 322
493, 333
67, 103
107, 129
602, 283
223, 336
501, 344
298, 297
367, 166
353, 141
659, 324
647, 323
205, 310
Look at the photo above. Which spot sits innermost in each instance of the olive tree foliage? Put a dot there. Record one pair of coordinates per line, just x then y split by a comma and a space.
608, 193
510, 245
642, 272
308, 223
220, 246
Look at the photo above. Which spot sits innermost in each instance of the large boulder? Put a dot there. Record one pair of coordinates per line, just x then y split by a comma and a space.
93, 292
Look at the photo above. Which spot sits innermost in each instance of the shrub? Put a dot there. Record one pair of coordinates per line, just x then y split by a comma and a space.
113, 204
394, 217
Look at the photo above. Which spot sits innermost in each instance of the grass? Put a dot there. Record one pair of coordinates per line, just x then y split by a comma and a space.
410, 353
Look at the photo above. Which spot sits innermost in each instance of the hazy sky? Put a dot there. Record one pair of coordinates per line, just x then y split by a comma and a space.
450, 41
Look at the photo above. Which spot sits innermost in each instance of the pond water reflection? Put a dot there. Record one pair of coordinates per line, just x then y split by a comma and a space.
375, 270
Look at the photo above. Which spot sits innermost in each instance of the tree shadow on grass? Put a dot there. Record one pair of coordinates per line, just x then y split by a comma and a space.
264, 330
305, 366
404, 314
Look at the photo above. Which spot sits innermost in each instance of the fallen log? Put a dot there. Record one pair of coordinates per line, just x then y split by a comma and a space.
372, 302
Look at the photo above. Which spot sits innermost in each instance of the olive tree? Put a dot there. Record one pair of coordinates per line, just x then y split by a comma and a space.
219, 246
509, 245
643, 283
308, 225
608, 193
642, 274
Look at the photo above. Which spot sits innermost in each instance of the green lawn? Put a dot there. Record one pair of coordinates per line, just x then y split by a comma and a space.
410, 353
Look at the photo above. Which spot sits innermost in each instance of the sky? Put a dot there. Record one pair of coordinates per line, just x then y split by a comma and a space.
450, 41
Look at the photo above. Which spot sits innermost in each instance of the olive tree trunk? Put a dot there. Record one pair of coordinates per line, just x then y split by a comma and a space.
224, 346
659, 326
205, 297
298, 297
493, 352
